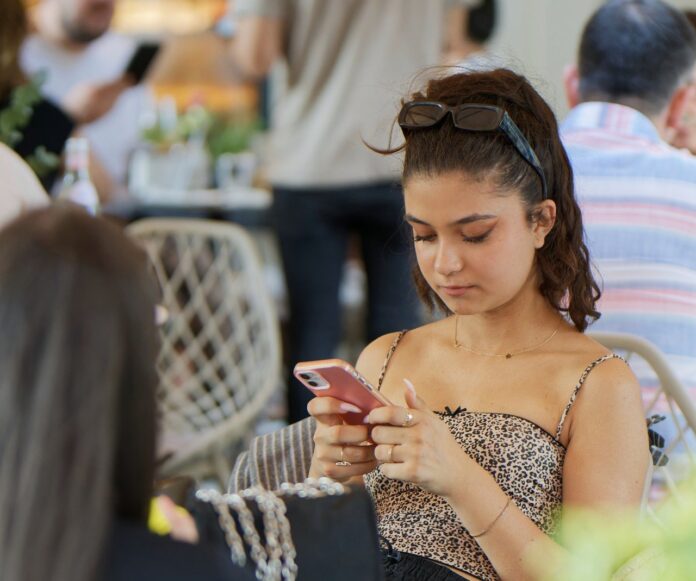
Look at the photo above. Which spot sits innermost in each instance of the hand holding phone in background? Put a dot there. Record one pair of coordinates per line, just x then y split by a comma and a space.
141, 62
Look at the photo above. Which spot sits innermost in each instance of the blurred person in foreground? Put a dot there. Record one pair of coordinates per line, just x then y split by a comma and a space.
628, 93
72, 42
34, 125
77, 409
21, 190
347, 61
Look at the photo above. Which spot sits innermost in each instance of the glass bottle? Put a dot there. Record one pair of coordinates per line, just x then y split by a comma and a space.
77, 186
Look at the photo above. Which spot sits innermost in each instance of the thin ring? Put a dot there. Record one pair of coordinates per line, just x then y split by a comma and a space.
390, 454
343, 461
408, 421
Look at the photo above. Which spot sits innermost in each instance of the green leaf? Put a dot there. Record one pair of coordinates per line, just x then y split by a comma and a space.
43, 161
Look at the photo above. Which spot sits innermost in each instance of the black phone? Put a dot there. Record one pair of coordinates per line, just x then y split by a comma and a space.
141, 61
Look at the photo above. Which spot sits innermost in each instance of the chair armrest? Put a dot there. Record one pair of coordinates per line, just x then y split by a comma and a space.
281, 456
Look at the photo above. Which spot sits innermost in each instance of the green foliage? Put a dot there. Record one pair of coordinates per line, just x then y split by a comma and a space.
15, 117
604, 547
43, 161
222, 133
232, 135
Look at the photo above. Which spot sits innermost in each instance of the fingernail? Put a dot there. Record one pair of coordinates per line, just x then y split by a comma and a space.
410, 387
349, 407
366, 419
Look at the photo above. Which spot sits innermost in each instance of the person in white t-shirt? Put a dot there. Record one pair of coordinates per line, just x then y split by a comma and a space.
72, 42
21, 190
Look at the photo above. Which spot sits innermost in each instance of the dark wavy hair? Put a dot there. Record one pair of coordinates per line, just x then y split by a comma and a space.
78, 344
563, 262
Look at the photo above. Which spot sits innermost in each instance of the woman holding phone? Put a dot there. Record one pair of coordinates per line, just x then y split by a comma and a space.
504, 410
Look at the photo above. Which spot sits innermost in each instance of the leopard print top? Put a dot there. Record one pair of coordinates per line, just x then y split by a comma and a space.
525, 460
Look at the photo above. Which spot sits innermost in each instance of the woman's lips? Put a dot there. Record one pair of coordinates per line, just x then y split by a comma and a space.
456, 290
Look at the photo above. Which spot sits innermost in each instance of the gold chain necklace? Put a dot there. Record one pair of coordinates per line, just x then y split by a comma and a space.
507, 355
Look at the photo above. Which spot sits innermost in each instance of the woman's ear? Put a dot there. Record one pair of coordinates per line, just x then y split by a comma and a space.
544, 220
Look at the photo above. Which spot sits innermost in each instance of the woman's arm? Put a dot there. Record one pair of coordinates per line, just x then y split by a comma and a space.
257, 44
604, 467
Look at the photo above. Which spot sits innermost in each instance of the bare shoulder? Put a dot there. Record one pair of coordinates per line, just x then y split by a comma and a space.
610, 393
604, 377
610, 377
373, 356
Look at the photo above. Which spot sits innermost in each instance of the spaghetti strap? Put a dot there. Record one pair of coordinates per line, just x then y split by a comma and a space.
580, 383
392, 348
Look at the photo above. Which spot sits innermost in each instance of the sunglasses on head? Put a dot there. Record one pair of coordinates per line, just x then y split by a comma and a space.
471, 117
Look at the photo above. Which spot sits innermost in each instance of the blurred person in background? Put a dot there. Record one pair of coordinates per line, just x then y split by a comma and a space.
685, 134
470, 29
34, 125
628, 95
72, 42
347, 61
78, 344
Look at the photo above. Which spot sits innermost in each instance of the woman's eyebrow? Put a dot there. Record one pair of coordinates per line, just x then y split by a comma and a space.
465, 220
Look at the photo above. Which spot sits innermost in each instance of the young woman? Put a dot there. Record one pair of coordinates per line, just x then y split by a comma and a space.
504, 411
77, 408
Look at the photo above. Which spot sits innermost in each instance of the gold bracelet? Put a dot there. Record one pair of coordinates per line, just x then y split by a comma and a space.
495, 520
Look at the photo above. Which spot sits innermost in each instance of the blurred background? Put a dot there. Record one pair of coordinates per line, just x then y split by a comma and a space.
541, 36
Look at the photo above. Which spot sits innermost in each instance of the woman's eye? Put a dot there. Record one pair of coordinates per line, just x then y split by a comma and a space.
476, 239
428, 238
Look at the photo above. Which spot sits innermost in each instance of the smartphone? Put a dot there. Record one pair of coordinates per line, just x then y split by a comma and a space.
141, 61
338, 379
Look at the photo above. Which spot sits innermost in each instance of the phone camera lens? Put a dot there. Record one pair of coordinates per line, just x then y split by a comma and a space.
306, 376
313, 383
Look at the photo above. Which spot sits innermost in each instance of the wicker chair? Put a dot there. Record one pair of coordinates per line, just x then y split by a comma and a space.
663, 396
220, 356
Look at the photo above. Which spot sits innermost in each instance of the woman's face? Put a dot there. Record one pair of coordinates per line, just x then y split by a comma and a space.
474, 244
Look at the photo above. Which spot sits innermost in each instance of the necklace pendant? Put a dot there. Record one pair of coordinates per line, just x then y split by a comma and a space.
508, 356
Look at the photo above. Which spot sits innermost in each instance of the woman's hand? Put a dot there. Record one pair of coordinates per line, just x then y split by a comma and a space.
414, 445
335, 442
183, 527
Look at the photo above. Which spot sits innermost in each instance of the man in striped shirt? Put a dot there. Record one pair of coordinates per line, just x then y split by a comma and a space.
638, 194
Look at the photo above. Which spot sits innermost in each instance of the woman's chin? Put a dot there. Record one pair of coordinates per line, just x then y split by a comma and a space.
462, 307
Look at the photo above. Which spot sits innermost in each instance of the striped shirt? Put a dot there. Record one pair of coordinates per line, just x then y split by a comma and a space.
638, 198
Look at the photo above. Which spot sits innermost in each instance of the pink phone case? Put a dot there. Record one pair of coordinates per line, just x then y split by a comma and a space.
338, 379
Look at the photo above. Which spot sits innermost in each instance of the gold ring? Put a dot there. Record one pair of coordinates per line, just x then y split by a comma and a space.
408, 421
390, 454
343, 461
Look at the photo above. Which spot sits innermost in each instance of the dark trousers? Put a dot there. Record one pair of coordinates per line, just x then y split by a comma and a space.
313, 228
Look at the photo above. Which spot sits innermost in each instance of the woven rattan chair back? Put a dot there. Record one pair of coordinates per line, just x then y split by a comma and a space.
220, 355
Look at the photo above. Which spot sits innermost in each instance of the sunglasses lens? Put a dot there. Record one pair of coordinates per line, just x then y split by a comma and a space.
421, 116
477, 119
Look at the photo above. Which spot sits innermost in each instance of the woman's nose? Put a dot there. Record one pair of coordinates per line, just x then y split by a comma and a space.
448, 260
